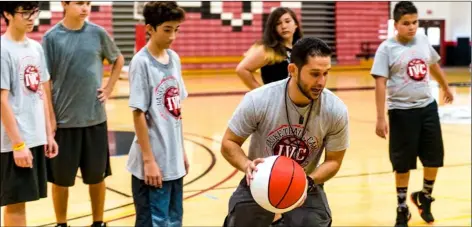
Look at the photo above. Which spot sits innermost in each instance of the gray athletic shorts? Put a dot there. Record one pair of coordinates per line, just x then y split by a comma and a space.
244, 211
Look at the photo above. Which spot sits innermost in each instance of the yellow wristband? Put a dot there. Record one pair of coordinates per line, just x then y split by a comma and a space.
19, 147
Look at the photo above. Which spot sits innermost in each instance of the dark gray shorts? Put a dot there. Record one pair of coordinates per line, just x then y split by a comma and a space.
244, 211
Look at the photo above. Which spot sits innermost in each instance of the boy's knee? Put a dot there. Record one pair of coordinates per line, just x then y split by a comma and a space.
18, 208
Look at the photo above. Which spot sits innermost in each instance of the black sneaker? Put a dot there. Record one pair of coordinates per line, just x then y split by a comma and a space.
103, 224
423, 204
403, 216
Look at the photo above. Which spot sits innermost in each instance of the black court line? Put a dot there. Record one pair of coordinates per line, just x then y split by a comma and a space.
113, 190
212, 165
213, 161
341, 89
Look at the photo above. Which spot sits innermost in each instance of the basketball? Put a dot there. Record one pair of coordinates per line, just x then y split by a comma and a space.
279, 184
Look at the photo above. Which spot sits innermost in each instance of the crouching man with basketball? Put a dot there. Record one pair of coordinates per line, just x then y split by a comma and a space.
295, 117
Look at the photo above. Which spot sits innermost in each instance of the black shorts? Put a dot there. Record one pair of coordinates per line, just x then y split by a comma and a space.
244, 211
86, 148
20, 185
415, 133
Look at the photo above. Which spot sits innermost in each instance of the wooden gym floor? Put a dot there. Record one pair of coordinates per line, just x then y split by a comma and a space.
362, 193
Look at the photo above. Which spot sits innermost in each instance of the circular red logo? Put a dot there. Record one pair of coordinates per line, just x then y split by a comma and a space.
287, 146
172, 101
417, 69
31, 78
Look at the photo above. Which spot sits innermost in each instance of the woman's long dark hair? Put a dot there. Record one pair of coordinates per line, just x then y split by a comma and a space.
271, 39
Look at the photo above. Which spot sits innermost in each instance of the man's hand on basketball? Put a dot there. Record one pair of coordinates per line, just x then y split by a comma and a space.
381, 129
51, 149
152, 174
23, 158
104, 93
448, 96
250, 167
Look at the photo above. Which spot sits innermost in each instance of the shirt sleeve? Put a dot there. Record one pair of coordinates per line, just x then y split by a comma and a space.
44, 66
380, 67
110, 50
243, 122
47, 49
337, 139
433, 54
140, 90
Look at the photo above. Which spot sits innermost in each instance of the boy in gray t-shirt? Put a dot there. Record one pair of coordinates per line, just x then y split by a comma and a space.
295, 117
401, 69
75, 51
157, 159
26, 135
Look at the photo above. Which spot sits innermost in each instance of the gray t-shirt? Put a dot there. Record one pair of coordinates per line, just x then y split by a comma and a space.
23, 69
262, 114
407, 70
157, 89
75, 61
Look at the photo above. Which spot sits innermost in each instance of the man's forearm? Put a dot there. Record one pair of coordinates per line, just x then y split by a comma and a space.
325, 171
233, 153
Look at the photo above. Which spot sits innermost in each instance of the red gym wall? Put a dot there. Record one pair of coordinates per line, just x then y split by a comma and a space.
216, 35
51, 13
357, 23
210, 38
220, 41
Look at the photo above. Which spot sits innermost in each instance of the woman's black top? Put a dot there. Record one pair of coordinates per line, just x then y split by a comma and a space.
277, 71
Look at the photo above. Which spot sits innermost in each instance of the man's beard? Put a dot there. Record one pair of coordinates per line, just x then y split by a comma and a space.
304, 91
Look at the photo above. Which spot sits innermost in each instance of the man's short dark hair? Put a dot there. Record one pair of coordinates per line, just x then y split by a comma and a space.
309, 46
156, 13
403, 8
12, 7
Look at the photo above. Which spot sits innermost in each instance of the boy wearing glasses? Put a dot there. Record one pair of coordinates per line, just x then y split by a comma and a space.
26, 135
75, 50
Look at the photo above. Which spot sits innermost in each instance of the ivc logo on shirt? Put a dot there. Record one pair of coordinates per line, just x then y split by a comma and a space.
30, 73
282, 142
167, 95
417, 69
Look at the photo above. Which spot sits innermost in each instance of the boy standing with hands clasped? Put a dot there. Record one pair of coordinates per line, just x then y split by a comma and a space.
157, 160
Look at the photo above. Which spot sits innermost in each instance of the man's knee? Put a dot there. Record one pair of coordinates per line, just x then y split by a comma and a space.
248, 214
306, 217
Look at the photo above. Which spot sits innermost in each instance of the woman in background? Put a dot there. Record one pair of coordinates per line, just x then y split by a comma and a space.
271, 54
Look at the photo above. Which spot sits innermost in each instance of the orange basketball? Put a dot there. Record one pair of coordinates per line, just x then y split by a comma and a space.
279, 184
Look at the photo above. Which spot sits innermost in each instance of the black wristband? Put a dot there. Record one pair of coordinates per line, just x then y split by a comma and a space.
311, 183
